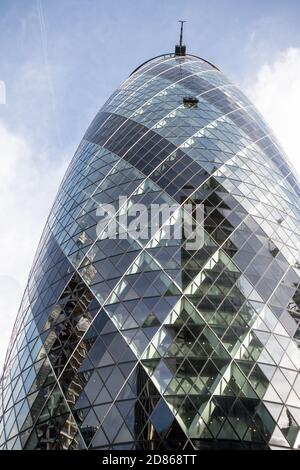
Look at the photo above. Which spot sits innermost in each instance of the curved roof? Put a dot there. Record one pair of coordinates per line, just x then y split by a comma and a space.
171, 54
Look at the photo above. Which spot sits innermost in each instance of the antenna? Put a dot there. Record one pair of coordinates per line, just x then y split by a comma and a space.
181, 30
180, 49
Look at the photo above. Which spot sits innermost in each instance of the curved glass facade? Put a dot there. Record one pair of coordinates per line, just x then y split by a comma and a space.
143, 344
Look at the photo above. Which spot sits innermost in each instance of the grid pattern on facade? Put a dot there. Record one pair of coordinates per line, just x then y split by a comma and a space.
143, 344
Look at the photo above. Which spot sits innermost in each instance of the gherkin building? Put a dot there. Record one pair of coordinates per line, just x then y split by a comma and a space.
144, 344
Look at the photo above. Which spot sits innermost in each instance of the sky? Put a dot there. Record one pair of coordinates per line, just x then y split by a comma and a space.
61, 59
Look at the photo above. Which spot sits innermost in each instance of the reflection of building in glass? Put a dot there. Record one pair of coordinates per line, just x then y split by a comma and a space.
128, 344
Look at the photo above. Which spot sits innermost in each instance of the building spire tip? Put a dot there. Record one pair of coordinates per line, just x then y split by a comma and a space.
180, 48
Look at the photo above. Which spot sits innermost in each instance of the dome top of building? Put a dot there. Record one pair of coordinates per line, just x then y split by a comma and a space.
170, 55
180, 54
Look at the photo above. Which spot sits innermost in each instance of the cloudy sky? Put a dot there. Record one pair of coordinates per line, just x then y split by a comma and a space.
61, 59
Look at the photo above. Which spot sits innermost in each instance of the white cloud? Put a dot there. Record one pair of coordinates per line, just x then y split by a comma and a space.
27, 190
276, 92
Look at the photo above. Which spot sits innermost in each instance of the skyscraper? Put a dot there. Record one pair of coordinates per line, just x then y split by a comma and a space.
145, 344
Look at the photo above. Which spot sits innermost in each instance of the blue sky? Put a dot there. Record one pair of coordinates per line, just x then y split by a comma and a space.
61, 59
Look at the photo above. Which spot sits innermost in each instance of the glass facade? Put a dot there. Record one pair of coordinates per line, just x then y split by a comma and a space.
143, 344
